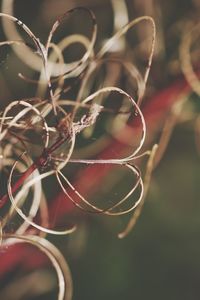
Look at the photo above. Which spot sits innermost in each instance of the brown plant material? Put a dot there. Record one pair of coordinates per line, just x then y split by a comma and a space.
57, 123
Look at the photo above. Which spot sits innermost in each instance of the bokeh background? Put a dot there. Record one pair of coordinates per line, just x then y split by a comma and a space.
160, 258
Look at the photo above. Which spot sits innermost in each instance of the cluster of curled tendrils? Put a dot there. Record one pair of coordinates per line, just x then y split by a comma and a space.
39, 136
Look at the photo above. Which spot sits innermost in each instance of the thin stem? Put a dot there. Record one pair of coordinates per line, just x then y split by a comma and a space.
18, 183
40, 162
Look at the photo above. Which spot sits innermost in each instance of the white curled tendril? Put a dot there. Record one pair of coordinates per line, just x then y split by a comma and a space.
56, 258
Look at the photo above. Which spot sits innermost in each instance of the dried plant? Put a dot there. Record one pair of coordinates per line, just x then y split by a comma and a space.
39, 135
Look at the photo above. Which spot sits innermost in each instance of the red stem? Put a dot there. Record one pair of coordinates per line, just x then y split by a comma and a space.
41, 161
18, 183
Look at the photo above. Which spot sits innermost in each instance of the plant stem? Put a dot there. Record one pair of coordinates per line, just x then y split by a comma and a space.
40, 162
